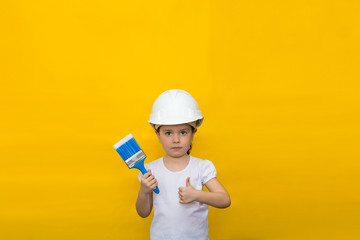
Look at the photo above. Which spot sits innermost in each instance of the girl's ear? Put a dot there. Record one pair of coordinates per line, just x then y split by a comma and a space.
158, 134
194, 130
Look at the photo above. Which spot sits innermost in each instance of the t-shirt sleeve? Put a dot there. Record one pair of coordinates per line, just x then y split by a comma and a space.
208, 171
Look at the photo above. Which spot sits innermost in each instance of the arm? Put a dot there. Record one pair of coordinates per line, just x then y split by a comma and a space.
217, 197
144, 202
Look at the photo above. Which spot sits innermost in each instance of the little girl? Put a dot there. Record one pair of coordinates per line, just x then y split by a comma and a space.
181, 207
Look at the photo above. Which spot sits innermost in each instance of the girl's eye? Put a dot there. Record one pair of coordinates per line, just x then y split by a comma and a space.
183, 132
167, 133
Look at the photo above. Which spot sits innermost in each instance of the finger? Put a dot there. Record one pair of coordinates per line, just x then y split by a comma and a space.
146, 175
151, 177
188, 182
152, 181
155, 182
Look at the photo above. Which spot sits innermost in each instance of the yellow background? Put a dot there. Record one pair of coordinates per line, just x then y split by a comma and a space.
277, 82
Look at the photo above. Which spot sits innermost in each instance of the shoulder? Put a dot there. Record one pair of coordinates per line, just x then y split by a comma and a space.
202, 163
206, 168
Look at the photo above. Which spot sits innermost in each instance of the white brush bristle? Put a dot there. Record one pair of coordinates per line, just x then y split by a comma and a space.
122, 141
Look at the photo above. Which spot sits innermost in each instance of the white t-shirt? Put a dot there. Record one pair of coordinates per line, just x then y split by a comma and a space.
173, 220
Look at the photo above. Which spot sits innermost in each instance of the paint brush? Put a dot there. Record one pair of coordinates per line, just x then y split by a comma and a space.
130, 151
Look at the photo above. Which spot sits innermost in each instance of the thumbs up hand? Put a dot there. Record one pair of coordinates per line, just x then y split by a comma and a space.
187, 194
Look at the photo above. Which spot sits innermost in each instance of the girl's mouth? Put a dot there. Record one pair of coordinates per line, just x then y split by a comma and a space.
176, 148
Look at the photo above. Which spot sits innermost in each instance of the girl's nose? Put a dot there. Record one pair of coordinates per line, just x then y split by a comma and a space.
176, 138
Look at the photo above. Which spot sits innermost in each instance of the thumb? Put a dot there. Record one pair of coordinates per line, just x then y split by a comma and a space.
148, 172
188, 182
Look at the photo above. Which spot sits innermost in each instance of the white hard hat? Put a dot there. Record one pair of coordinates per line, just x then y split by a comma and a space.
175, 107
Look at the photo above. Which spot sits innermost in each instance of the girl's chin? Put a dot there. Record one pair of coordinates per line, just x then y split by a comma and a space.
176, 154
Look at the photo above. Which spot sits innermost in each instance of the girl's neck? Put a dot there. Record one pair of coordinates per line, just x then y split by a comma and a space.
176, 164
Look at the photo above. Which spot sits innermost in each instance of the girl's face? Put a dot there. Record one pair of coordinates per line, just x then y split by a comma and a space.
176, 139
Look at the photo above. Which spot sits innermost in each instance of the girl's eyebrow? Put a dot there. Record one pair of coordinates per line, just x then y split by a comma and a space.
183, 129
166, 130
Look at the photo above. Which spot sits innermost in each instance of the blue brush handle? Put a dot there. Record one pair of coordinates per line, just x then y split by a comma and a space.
140, 165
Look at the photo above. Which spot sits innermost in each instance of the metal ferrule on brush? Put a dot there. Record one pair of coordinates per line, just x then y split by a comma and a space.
130, 162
